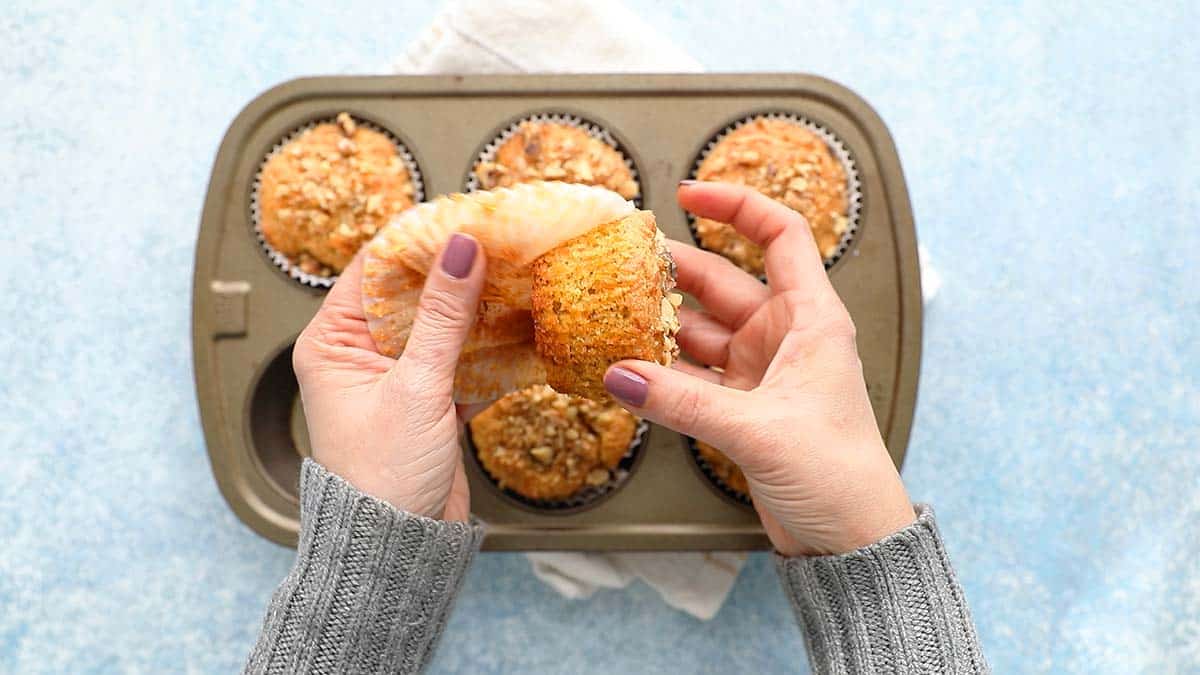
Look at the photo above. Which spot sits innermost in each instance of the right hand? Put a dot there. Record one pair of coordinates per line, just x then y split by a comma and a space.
789, 403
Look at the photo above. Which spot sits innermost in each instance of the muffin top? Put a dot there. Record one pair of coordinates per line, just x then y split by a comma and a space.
787, 162
552, 151
546, 445
327, 191
724, 468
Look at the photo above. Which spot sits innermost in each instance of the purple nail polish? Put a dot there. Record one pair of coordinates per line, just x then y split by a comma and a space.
459, 256
627, 386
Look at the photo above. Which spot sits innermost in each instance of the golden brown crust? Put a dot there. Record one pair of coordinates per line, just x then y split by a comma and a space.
724, 468
556, 152
327, 191
600, 298
546, 445
788, 163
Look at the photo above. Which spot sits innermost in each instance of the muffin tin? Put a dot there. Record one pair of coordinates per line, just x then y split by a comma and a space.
247, 312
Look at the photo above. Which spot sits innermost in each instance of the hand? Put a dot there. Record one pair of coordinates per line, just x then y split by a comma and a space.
788, 403
389, 427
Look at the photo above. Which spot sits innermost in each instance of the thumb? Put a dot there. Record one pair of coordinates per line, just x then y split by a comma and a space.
445, 313
683, 402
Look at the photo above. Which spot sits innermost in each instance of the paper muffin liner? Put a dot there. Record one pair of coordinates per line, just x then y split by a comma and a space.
714, 480
587, 497
840, 152
281, 260
593, 129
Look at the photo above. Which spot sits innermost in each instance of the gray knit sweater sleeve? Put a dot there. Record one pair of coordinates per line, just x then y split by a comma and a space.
371, 589
892, 607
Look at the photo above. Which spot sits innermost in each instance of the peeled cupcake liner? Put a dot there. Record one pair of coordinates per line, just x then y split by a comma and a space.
593, 129
281, 260
589, 496
840, 151
710, 473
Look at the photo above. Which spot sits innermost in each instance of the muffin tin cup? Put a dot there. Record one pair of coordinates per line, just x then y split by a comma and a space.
836, 146
714, 480
246, 316
280, 259
586, 498
592, 128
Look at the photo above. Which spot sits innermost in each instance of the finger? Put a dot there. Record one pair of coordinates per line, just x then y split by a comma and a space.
706, 374
340, 320
347, 290
445, 312
726, 291
458, 505
702, 337
677, 400
791, 256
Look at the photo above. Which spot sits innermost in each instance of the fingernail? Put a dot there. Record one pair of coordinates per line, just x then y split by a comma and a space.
626, 385
459, 256
686, 182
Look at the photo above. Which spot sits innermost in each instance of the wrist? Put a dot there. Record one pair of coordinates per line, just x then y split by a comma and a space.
426, 500
872, 519
881, 523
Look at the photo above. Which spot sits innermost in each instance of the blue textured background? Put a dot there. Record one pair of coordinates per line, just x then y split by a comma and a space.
1053, 156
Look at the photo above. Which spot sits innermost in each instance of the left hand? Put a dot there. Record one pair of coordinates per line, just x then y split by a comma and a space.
390, 427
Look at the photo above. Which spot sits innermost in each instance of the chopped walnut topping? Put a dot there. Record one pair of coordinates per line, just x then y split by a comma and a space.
554, 151
329, 190
788, 163
346, 124
548, 445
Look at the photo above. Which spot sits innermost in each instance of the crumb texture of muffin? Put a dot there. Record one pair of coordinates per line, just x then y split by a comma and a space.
723, 468
602, 297
549, 446
329, 190
553, 151
787, 162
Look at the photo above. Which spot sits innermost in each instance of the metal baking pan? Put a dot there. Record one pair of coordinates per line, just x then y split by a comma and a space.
246, 312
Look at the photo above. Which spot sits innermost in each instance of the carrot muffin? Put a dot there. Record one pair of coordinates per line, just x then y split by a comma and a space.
787, 162
549, 446
327, 191
602, 297
724, 469
553, 151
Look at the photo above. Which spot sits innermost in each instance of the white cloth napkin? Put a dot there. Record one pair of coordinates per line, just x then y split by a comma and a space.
583, 36
542, 36
576, 36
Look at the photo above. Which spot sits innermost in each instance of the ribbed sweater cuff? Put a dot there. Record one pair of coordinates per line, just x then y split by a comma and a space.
892, 607
371, 589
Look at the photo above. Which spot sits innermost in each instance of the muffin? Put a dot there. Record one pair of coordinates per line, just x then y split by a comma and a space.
327, 191
555, 151
549, 446
602, 297
723, 469
788, 162
558, 253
